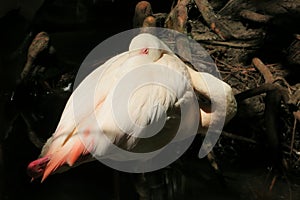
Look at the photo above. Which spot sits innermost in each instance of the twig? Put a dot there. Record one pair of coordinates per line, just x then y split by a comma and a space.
295, 151
227, 76
266, 180
272, 183
143, 9
224, 63
232, 44
178, 16
263, 70
297, 115
256, 17
148, 24
229, 6
206, 11
211, 19
255, 91
290, 88
269, 78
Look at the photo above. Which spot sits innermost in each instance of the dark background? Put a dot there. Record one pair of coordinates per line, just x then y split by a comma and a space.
75, 28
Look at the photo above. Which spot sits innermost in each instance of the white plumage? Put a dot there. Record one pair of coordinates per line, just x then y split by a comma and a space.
118, 101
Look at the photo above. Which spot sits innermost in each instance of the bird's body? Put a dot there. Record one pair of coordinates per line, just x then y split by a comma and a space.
102, 111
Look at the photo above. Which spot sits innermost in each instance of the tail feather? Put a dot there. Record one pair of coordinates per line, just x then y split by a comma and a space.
55, 162
67, 154
76, 152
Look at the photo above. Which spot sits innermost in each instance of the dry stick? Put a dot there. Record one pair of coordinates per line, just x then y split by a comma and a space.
274, 95
143, 9
211, 19
207, 11
272, 183
255, 91
232, 44
297, 115
272, 103
295, 151
266, 180
270, 79
177, 18
229, 6
148, 24
149, 21
256, 17
222, 62
174, 3
39, 44
262, 68
289, 87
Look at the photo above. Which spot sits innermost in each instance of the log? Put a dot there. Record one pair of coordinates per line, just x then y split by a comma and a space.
143, 9
178, 16
148, 24
39, 44
211, 19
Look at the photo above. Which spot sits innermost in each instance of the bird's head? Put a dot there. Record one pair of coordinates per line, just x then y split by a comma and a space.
150, 45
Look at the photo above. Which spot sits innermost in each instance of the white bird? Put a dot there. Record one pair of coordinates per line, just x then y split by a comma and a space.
89, 124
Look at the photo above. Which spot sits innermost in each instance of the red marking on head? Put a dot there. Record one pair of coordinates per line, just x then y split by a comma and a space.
144, 51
